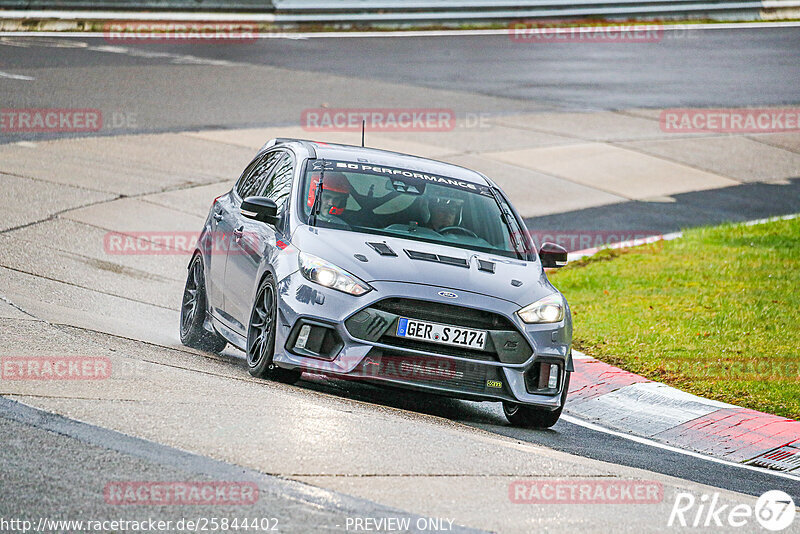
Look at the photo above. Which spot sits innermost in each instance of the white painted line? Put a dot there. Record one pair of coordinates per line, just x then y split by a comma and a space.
651, 443
15, 76
416, 33
578, 254
772, 4
772, 219
110, 49
177, 59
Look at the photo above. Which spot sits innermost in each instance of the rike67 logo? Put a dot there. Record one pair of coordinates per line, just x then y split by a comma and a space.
774, 511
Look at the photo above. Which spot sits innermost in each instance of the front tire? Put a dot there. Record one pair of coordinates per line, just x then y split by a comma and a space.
530, 417
261, 336
194, 310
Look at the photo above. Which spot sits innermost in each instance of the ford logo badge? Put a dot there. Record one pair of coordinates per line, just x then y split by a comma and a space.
448, 295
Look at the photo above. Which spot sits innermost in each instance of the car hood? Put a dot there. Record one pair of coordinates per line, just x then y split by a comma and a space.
341, 247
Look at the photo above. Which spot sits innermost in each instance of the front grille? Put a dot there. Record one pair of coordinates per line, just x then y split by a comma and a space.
438, 312
467, 377
378, 323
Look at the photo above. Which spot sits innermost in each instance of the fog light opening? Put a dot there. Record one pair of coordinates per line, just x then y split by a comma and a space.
543, 378
544, 374
314, 339
302, 337
552, 382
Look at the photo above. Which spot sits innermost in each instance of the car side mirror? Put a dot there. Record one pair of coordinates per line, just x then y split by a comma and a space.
261, 209
553, 256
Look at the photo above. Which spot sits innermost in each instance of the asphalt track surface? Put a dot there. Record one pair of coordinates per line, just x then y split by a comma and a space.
215, 85
472, 74
740, 203
175, 87
70, 455
567, 437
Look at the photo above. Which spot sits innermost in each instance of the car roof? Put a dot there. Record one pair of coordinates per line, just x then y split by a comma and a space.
375, 156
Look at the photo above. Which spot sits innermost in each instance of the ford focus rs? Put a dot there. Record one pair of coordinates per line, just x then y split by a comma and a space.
383, 267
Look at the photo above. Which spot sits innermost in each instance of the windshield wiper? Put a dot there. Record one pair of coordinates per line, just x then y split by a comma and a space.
312, 217
504, 215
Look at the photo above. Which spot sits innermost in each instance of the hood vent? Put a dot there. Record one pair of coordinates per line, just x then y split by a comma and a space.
438, 258
383, 249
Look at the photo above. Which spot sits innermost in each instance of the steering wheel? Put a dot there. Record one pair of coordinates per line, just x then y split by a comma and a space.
458, 230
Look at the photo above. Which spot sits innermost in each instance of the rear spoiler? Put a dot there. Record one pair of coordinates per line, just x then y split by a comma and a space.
309, 145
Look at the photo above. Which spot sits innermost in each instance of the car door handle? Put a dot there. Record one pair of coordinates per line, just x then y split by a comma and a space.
218, 217
238, 233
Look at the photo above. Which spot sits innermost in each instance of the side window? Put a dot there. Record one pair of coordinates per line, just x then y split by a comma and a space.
254, 176
279, 184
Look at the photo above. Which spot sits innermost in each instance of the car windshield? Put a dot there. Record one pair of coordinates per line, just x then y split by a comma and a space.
409, 204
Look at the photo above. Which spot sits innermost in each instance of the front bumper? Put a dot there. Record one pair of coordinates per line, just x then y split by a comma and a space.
498, 374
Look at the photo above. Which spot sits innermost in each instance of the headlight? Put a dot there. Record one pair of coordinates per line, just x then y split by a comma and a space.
327, 274
547, 310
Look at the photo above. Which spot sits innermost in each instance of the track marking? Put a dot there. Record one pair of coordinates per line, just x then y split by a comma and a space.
177, 59
16, 76
24, 41
651, 443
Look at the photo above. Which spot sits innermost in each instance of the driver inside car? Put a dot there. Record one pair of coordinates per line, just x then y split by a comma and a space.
335, 193
445, 212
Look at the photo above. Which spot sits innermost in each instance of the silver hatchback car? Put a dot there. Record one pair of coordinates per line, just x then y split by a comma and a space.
384, 267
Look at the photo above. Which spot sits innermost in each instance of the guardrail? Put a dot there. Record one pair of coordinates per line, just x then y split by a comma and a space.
424, 12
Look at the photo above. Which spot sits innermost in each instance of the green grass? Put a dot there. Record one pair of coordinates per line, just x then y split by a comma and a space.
714, 313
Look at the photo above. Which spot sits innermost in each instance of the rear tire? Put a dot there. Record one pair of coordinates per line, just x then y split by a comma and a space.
530, 417
261, 336
193, 312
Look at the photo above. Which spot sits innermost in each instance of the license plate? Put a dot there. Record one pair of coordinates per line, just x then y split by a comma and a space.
441, 333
